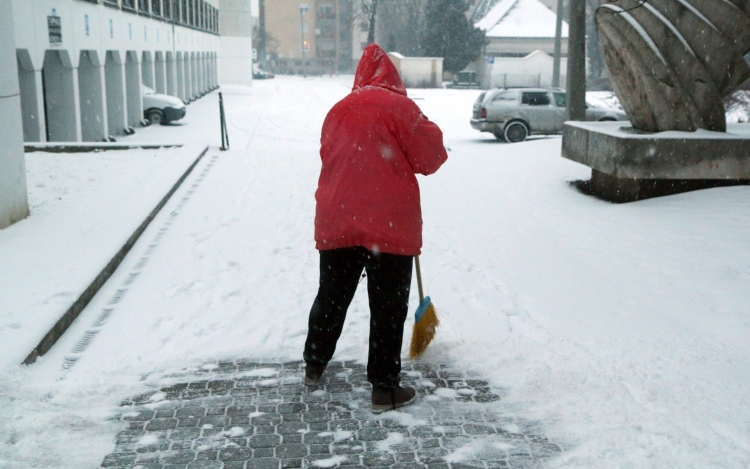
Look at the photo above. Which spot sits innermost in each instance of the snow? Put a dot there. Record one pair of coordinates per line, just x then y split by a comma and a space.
624, 130
83, 206
738, 110
521, 18
621, 330
329, 462
393, 439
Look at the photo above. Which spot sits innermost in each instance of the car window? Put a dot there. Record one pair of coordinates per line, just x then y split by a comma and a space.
559, 99
535, 98
480, 99
505, 98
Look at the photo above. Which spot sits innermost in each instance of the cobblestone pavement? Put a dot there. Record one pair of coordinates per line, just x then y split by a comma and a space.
253, 414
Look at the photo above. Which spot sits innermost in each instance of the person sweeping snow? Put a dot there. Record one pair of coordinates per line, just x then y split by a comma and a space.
368, 216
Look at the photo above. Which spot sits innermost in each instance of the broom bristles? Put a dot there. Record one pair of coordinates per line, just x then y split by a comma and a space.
424, 332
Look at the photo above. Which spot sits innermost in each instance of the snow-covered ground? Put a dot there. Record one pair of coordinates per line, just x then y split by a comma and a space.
622, 329
84, 207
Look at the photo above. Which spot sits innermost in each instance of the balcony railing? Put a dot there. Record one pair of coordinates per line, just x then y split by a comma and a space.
193, 14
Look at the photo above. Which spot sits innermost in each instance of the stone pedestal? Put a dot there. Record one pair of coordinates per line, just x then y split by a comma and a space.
628, 165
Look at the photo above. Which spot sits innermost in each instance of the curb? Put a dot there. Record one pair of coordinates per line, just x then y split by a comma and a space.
92, 147
75, 309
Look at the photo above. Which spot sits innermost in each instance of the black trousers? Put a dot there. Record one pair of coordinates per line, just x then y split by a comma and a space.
388, 284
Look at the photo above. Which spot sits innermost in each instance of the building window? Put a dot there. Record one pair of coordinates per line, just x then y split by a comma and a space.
143, 7
128, 5
156, 7
112, 3
167, 7
326, 10
184, 12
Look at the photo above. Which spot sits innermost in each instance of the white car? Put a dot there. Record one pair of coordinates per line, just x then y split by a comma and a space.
161, 108
514, 114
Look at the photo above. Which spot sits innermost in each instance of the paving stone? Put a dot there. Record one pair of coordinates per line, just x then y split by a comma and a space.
263, 463
235, 454
264, 441
287, 451
288, 425
161, 424
205, 465
234, 465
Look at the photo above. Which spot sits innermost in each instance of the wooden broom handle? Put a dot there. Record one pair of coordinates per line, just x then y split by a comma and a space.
419, 279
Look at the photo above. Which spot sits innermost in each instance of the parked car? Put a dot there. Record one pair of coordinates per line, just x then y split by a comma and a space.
514, 114
465, 80
161, 108
259, 74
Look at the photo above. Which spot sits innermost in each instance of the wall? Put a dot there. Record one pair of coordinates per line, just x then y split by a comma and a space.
236, 42
13, 199
419, 72
534, 70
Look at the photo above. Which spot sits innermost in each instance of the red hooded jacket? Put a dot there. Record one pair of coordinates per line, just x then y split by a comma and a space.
373, 143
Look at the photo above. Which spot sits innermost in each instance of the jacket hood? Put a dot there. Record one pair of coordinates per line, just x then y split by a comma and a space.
376, 69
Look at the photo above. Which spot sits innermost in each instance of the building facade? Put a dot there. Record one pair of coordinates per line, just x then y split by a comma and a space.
81, 63
520, 43
311, 36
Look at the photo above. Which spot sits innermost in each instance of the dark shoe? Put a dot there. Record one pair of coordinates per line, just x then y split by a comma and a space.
313, 373
384, 399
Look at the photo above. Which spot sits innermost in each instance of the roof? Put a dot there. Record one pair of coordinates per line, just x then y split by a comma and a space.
520, 18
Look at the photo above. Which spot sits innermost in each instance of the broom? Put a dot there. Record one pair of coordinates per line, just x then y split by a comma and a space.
425, 321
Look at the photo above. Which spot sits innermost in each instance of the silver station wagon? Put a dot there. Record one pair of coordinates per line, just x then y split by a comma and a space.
514, 114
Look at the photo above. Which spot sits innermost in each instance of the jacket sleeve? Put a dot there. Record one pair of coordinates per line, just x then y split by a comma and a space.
425, 151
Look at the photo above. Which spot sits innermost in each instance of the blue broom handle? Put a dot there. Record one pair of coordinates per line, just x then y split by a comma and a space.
419, 279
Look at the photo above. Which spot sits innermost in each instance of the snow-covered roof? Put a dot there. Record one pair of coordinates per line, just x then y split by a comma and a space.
520, 18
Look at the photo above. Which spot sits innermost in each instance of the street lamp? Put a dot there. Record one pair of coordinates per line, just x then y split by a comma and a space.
302, 10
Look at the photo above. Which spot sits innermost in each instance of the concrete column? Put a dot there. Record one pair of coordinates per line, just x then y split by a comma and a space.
194, 85
171, 81
235, 30
216, 69
133, 88
202, 72
211, 84
206, 71
160, 80
147, 70
94, 127
180, 73
114, 77
61, 97
14, 202
32, 101
188, 76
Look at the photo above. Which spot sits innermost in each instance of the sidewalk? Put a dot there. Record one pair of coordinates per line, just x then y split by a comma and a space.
84, 208
258, 414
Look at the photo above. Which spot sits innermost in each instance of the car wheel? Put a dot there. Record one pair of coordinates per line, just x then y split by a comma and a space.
499, 135
155, 117
516, 132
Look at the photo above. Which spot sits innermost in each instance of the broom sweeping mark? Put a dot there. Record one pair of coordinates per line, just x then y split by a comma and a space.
88, 336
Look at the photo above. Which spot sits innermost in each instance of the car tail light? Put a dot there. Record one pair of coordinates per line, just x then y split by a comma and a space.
484, 113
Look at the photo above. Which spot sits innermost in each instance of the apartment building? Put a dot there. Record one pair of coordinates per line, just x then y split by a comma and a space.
74, 69
312, 36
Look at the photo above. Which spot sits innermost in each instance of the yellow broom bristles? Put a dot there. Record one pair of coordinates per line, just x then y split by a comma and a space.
424, 332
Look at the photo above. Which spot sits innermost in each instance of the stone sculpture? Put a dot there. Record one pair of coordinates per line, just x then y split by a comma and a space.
672, 61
